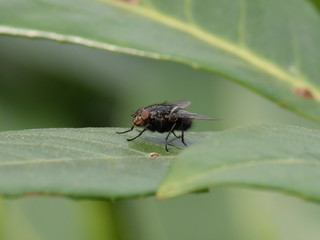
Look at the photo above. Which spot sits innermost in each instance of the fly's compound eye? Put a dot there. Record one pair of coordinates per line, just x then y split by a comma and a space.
145, 114
141, 117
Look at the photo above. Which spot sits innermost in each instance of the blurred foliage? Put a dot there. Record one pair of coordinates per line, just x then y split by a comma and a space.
316, 3
266, 46
47, 84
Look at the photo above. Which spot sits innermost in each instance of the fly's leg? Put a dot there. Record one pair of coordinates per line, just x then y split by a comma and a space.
181, 136
171, 131
176, 135
140, 133
127, 130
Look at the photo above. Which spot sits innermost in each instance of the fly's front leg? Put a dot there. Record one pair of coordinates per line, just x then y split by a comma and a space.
140, 133
127, 130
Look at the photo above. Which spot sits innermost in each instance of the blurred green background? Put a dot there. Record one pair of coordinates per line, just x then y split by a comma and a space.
45, 84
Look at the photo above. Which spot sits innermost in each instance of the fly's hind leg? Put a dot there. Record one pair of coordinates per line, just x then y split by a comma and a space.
181, 136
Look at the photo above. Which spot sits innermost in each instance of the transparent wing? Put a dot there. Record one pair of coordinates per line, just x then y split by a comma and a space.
185, 114
179, 104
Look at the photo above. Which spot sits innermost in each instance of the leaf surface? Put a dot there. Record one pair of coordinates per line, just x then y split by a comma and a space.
84, 163
285, 158
269, 46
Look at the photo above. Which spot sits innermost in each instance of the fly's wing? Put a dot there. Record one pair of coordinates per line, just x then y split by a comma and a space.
185, 114
179, 104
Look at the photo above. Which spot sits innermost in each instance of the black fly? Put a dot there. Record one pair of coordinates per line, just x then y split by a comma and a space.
165, 117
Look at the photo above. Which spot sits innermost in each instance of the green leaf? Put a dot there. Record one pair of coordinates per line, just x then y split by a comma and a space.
284, 158
269, 46
83, 163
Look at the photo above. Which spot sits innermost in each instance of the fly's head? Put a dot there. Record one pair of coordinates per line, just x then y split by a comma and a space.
141, 117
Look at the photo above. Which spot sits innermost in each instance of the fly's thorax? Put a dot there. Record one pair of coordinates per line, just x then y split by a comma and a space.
172, 117
141, 117
158, 112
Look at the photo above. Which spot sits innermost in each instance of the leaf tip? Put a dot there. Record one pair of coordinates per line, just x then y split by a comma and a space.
159, 197
166, 191
162, 195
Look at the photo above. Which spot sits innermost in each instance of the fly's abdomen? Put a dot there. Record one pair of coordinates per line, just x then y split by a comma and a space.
161, 125
183, 124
